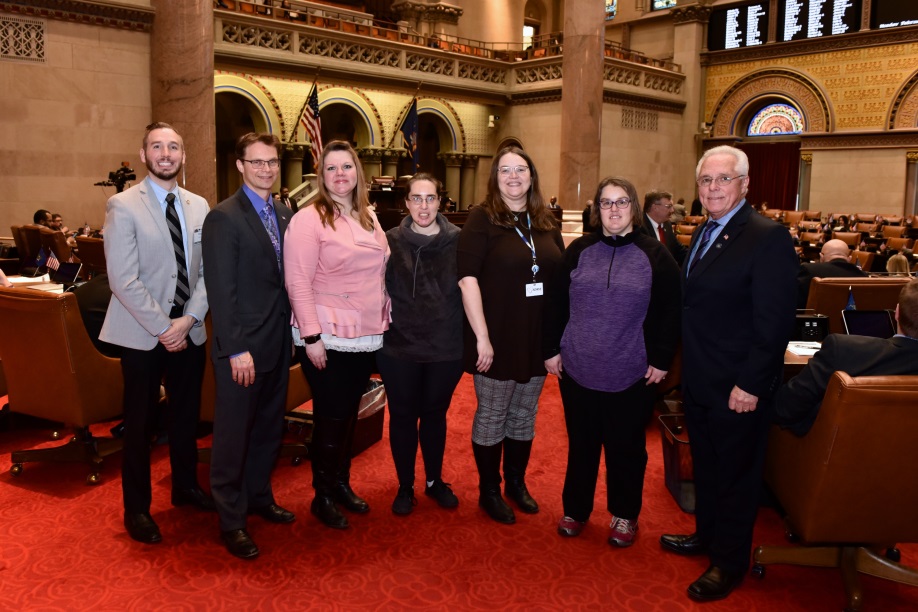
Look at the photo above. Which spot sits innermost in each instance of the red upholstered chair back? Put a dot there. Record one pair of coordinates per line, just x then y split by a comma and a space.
852, 478
829, 296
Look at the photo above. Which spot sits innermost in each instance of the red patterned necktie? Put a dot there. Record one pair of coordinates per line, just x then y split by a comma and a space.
662, 235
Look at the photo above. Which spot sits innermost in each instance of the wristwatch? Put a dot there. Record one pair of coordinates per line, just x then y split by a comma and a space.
312, 339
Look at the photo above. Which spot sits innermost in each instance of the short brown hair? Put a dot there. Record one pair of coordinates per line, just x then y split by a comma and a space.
632, 195
247, 140
157, 125
423, 176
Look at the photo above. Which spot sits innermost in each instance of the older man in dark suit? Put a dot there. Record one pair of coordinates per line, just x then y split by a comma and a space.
833, 262
243, 256
797, 402
658, 207
153, 255
738, 314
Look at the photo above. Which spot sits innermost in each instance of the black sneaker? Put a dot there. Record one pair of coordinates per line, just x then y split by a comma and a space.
441, 492
405, 501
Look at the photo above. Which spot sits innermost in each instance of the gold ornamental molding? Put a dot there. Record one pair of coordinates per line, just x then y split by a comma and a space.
911, 157
775, 50
900, 139
88, 12
806, 94
903, 112
806, 158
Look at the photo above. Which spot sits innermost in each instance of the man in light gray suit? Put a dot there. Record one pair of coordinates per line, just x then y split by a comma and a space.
155, 269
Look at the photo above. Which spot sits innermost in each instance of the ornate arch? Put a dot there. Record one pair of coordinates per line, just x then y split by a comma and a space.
805, 94
903, 111
268, 118
360, 103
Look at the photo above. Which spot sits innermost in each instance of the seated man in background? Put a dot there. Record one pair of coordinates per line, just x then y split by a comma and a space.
798, 400
833, 262
42, 217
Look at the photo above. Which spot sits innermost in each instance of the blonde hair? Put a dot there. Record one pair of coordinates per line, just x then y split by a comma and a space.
898, 265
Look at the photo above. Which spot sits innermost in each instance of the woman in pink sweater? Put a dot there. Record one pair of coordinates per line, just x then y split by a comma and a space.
335, 256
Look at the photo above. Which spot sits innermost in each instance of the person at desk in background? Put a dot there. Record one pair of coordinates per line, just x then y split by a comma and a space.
737, 317
898, 265
243, 243
286, 200
155, 271
798, 400
616, 288
421, 357
658, 206
833, 262
509, 250
42, 217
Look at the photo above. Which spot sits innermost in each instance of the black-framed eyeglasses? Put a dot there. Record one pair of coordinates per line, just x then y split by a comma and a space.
621, 203
258, 164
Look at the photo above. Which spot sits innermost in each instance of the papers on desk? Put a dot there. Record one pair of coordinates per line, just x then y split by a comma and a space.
25, 281
804, 349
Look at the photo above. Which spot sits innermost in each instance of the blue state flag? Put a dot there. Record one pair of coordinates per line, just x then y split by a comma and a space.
850, 305
409, 131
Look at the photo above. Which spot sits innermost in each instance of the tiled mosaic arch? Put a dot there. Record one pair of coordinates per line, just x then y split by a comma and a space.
796, 87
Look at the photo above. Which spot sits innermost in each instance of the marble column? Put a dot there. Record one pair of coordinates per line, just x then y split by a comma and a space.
911, 184
688, 44
581, 101
371, 159
453, 163
467, 183
390, 161
293, 165
806, 174
182, 85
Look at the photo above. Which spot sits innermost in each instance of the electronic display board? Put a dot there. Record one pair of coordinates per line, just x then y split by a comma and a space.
802, 19
738, 26
893, 13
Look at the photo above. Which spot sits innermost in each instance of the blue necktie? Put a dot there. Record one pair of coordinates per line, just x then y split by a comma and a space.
267, 217
702, 245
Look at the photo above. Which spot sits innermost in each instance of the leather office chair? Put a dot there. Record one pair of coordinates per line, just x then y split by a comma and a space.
897, 244
848, 487
864, 259
56, 242
43, 336
852, 239
92, 253
865, 228
684, 239
793, 217
810, 226
685, 230
812, 215
829, 296
894, 231
811, 237
892, 219
298, 393
31, 234
694, 219
27, 256
865, 217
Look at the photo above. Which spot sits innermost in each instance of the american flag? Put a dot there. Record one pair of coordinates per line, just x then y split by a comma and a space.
409, 131
312, 122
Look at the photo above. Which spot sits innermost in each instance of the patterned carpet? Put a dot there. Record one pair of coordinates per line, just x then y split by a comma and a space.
63, 547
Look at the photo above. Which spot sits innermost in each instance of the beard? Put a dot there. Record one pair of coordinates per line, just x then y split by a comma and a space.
162, 174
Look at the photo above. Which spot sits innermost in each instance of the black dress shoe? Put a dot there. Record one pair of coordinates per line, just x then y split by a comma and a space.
517, 491
716, 583
193, 497
495, 506
274, 514
345, 496
141, 527
683, 544
239, 543
324, 509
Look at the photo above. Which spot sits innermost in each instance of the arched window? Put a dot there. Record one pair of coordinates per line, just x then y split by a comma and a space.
611, 8
776, 119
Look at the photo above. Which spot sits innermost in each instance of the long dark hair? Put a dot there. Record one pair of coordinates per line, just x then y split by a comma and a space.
499, 213
326, 206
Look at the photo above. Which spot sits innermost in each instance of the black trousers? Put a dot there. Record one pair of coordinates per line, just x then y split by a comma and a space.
144, 372
337, 390
248, 429
612, 422
418, 392
728, 455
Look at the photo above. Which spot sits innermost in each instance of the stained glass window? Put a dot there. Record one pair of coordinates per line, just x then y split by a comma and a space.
776, 119
611, 8
656, 5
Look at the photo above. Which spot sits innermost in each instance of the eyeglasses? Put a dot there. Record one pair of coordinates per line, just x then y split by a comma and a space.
258, 164
669, 206
419, 199
622, 203
508, 170
722, 181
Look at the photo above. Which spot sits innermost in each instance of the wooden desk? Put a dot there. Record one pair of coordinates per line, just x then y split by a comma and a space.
793, 364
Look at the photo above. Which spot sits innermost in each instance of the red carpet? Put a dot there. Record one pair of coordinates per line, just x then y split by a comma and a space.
63, 547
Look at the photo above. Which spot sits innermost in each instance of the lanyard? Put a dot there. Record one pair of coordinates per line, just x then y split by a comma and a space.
529, 243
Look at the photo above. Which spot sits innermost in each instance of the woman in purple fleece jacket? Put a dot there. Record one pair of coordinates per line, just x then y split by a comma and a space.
611, 329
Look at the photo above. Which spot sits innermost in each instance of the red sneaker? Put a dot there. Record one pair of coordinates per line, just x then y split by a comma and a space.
623, 532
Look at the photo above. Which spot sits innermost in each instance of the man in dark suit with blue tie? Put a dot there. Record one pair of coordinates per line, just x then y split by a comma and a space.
739, 296
243, 255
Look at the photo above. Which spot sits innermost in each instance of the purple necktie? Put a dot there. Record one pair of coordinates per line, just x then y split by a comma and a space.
702, 245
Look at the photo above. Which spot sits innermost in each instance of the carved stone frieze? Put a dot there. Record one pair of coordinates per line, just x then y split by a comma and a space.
412, 10
86, 11
688, 14
451, 159
370, 154
861, 140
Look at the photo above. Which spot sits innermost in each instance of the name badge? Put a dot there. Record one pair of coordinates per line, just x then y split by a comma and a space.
197, 235
534, 289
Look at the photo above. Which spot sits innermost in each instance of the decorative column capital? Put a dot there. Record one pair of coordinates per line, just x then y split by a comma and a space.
451, 159
806, 158
393, 154
470, 161
911, 157
294, 151
370, 154
689, 14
